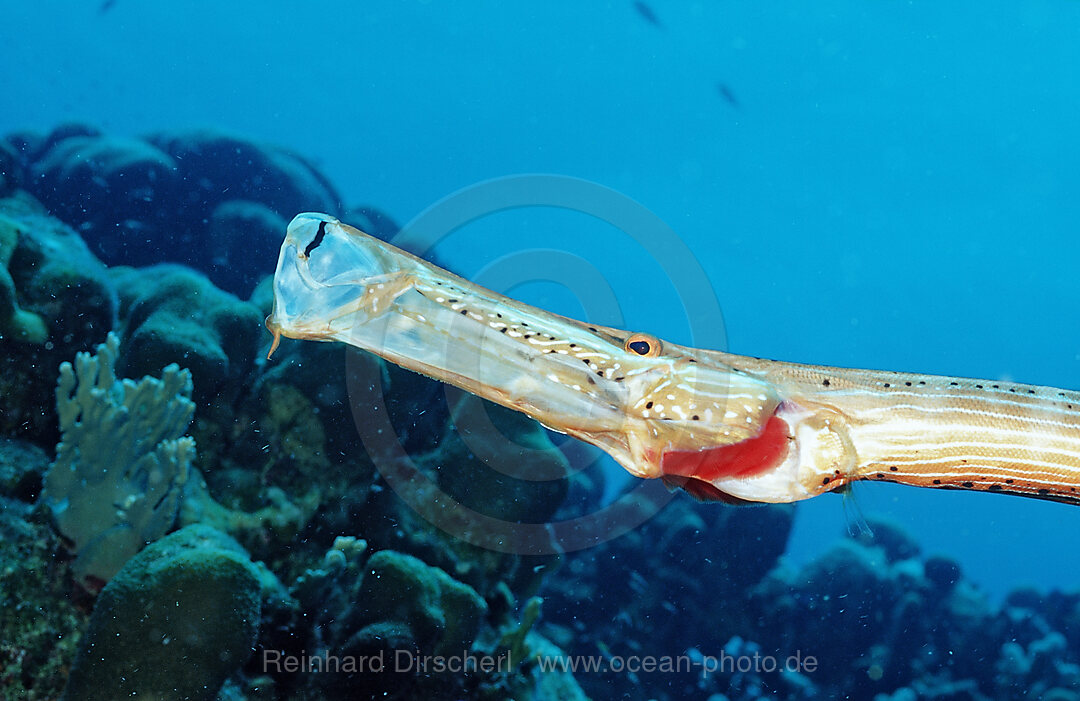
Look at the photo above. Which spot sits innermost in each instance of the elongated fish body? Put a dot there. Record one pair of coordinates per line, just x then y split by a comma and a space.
722, 426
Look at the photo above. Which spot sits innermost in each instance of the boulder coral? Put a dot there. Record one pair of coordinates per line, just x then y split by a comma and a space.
220, 200
79, 173
244, 238
282, 180
441, 614
396, 609
15, 323
175, 622
171, 314
55, 299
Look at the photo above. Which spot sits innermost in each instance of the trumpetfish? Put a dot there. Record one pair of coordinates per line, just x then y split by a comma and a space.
721, 426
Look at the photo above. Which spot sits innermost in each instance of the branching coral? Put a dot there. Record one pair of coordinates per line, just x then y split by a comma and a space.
122, 462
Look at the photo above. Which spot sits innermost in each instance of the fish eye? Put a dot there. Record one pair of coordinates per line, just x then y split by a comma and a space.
643, 345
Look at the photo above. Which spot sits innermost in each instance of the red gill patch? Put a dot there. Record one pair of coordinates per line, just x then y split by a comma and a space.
744, 459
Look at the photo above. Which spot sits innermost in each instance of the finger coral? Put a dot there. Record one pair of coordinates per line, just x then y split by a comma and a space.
122, 461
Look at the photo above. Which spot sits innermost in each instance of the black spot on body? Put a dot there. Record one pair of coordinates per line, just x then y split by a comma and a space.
937, 481
825, 382
969, 485
995, 488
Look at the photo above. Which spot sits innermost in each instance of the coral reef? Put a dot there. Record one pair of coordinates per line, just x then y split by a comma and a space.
284, 181
39, 620
22, 466
55, 299
680, 582
874, 619
80, 168
396, 603
440, 613
304, 456
169, 313
15, 322
244, 235
221, 201
411, 623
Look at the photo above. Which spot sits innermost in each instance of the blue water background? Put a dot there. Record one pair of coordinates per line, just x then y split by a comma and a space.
896, 186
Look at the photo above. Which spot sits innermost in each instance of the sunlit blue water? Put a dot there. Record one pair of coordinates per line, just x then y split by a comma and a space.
893, 186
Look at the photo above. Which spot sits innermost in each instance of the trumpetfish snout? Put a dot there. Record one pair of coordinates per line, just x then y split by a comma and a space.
722, 426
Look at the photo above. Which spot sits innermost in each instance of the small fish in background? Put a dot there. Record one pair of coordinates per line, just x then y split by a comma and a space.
729, 97
106, 6
647, 14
